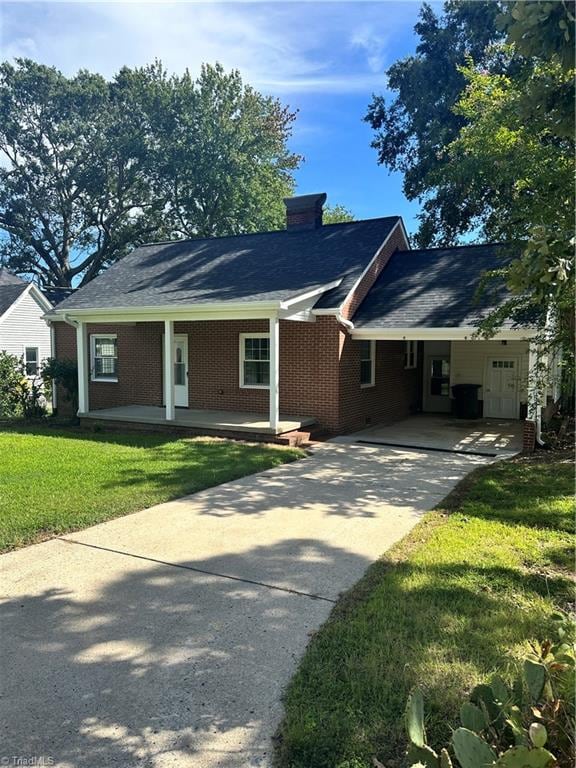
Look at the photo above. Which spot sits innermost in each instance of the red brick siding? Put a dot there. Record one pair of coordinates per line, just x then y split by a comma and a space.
308, 367
396, 241
308, 219
319, 371
393, 396
309, 370
529, 437
64, 349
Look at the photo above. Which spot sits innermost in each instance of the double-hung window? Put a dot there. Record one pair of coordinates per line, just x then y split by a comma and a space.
104, 357
255, 360
367, 363
411, 354
31, 361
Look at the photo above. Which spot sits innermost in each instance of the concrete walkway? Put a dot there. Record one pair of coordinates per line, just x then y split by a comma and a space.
165, 638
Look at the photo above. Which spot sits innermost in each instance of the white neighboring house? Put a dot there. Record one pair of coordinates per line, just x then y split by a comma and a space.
23, 331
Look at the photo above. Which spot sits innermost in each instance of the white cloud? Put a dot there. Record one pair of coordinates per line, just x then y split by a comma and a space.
279, 47
372, 43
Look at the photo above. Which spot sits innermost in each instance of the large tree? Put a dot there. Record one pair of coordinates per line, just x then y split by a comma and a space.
515, 157
90, 168
413, 127
503, 168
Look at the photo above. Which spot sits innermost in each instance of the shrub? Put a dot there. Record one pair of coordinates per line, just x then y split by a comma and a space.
20, 395
65, 373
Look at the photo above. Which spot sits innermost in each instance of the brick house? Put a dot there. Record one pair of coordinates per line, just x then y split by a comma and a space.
331, 327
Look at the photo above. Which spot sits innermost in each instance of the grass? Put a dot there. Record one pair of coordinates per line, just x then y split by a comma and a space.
58, 480
455, 600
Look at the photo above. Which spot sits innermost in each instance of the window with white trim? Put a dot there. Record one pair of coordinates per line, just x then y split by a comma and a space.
367, 363
104, 357
31, 361
411, 354
255, 360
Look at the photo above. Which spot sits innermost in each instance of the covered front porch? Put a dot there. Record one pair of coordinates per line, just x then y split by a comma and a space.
196, 419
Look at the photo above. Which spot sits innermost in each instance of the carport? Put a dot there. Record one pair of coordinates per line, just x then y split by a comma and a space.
441, 432
429, 299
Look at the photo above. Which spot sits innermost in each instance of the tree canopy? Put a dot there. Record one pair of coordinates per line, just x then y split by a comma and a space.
502, 167
413, 128
336, 214
91, 168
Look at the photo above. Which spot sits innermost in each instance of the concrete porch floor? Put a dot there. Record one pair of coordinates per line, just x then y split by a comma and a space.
233, 421
443, 432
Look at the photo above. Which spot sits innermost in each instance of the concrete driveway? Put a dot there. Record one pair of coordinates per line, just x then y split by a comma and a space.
165, 638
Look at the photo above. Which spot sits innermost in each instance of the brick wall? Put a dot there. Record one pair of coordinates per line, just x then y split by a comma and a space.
309, 375
393, 396
528, 436
64, 349
139, 369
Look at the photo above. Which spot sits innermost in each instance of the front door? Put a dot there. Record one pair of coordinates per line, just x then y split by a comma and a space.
436, 395
501, 388
180, 357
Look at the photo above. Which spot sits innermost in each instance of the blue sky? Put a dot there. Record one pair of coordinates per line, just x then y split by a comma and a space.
323, 58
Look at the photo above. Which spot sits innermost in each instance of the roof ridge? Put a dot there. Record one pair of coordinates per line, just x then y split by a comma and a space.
267, 232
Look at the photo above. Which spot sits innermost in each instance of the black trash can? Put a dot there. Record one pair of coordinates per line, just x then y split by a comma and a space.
466, 400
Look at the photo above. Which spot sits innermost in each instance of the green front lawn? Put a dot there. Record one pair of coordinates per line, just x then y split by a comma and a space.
464, 591
57, 480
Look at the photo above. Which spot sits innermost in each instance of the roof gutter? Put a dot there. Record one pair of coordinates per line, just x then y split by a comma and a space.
221, 306
346, 323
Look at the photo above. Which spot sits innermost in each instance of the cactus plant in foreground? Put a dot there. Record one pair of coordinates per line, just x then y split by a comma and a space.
510, 727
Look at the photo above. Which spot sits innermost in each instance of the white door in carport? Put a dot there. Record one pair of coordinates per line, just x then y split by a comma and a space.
501, 388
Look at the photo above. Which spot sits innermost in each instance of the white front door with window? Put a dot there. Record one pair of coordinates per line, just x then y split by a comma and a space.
180, 357
501, 388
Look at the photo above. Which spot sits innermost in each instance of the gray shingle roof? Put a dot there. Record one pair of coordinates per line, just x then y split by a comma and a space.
11, 287
271, 266
434, 288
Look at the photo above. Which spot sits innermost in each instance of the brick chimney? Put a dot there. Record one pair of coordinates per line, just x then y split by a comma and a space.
304, 211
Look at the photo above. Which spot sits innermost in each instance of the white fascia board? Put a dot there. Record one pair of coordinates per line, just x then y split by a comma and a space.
326, 311
439, 334
301, 309
15, 303
311, 294
36, 294
405, 233
214, 311
40, 298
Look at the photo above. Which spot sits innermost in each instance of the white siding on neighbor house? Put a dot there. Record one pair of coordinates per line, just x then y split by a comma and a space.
23, 326
468, 362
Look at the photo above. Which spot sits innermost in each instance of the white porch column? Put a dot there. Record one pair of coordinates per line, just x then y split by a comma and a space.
169, 369
274, 372
83, 368
534, 388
